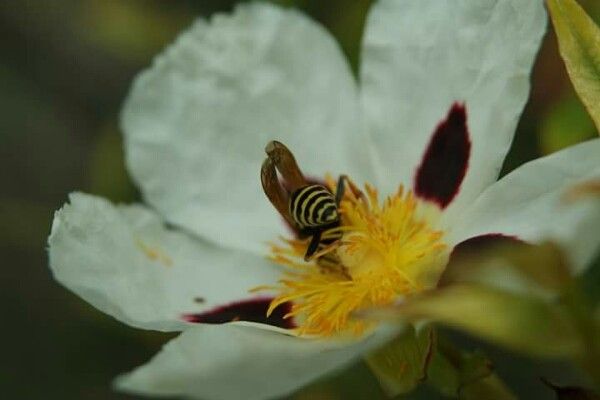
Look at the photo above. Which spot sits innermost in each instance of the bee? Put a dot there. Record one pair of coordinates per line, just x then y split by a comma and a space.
309, 207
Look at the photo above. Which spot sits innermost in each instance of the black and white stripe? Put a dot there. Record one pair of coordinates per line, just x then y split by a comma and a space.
313, 206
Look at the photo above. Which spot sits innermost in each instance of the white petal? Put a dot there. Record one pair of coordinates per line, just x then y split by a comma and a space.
197, 122
122, 260
421, 56
237, 362
530, 203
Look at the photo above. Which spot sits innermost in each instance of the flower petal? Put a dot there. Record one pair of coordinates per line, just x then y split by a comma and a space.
529, 203
420, 57
124, 261
196, 122
234, 362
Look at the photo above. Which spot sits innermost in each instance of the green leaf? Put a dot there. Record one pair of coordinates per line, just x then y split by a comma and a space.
443, 375
579, 43
402, 364
490, 388
474, 367
465, 375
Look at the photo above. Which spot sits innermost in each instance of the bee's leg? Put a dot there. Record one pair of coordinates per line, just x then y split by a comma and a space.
313, 245
339, 191
283, 159
272, 188
341, 188
326, 250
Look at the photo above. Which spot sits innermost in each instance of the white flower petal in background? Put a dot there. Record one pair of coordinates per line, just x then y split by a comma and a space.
529, 203
234, 362
122, 260
422, 56
197, 121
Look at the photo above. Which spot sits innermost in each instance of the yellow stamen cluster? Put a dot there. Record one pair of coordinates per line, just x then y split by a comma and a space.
387, 251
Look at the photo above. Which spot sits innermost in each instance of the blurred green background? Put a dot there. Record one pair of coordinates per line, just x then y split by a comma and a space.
66, 66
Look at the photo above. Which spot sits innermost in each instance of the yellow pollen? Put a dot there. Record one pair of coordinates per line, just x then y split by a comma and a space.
387, 250
154, 253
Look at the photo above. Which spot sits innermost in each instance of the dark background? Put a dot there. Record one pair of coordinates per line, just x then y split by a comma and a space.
65, 68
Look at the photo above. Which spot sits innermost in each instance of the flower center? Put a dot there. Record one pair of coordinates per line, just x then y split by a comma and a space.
387, 250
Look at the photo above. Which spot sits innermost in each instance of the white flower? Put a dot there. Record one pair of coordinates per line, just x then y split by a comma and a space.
441, 88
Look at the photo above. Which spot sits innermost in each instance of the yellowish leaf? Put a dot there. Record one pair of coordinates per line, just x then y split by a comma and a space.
402, 364
524, 323
516, 267
579, 43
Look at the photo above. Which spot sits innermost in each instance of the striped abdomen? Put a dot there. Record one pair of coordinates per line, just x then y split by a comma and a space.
313, 206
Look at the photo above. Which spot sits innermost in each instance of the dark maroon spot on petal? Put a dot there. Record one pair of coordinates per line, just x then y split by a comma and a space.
472, 246
446, 159
252, 310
